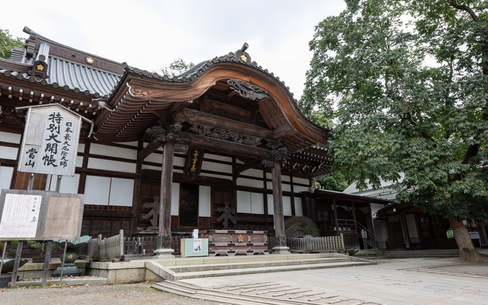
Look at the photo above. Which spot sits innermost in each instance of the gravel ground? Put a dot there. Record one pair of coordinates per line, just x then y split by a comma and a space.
141, 293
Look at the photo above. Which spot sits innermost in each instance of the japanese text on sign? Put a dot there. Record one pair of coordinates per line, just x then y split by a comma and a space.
50, 141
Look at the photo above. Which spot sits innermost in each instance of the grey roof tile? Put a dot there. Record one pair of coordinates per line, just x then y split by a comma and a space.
84, 78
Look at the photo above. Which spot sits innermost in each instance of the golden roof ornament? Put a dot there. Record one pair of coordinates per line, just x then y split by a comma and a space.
241, 54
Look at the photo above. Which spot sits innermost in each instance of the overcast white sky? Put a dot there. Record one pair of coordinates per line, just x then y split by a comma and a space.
150, 34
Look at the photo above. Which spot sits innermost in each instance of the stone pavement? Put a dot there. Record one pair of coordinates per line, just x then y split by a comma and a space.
394, 281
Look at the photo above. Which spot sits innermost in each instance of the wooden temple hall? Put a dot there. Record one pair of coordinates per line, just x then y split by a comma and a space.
221, 146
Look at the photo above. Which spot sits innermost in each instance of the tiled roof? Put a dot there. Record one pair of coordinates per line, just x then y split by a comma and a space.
66, 75
73, 75
199, 69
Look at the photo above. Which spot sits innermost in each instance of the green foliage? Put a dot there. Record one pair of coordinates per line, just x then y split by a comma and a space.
178, 66
333, 182
406, 83
7, 43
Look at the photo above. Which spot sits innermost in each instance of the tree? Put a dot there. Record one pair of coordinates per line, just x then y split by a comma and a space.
407, 85
176, 67
7, 43
333, 182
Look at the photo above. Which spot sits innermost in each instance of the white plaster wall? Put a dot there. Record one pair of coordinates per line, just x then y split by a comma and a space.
5, 176
204, 202
250, 182
175, 199
113, 151
121, 192
298, 206
111, 165
9, 152
10, 137
97, 190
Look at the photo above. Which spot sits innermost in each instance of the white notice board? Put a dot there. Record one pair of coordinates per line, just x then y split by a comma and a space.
20, 216
40, 215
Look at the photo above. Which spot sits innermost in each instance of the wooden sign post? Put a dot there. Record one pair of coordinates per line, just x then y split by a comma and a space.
49, 146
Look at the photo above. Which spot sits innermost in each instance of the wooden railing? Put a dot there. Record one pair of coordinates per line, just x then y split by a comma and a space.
111, 248
317, 244
120, 247
140, 245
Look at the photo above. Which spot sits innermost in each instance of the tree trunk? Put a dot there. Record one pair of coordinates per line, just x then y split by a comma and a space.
467, 251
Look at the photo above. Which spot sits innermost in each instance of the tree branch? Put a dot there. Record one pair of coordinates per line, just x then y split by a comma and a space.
465, 8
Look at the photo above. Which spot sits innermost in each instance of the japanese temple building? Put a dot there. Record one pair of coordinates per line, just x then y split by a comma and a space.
223, 145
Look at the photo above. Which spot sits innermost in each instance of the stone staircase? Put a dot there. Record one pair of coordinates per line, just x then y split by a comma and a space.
190, 268
256, 294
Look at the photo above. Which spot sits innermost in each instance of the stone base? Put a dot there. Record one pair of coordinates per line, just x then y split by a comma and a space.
281, 250
163, 253
70, 269
5, 279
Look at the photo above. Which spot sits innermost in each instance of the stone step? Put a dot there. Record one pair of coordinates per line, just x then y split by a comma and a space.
223, 266
176, 287
257, 264
266, 293
266, 269
246, 258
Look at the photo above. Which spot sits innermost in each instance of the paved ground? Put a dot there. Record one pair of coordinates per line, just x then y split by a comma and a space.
394, 281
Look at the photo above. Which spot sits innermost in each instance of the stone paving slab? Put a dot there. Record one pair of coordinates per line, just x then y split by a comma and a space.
391, 281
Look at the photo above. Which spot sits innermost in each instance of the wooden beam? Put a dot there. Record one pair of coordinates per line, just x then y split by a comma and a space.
203, 118
218, 145
248, 165
149, 149
283, 130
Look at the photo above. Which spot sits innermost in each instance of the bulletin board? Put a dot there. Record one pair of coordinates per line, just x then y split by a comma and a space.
40, 215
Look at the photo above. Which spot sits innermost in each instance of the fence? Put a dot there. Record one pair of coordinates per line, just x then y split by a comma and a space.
317, 244
118, 246
112, 247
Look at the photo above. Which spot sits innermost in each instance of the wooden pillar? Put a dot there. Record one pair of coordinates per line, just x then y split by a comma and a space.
403, 223
164, 232
279, 219
336, 220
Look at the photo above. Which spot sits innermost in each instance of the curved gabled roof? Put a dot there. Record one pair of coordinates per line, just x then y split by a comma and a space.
140, 94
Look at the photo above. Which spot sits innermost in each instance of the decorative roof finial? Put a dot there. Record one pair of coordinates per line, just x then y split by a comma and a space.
241, 54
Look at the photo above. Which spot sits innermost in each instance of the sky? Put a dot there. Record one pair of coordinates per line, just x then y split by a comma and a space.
150, 34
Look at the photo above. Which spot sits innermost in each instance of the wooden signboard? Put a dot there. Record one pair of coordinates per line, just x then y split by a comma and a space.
40, 215
50, 141
194, 161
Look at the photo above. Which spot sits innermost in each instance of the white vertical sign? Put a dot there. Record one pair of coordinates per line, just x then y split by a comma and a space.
50, 141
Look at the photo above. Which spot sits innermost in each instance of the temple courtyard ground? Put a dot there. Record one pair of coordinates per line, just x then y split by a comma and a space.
442, 281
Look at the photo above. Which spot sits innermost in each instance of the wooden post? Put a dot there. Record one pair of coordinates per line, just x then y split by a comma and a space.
18, 255
336, 221
30, 185
403, 224
47, 259
58, 183
62, 260
279, 219
164, 232
3, 255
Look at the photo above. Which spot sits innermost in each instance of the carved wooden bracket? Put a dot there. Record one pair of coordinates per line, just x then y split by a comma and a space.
248, 91
224, 134
273, 156
159, 136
